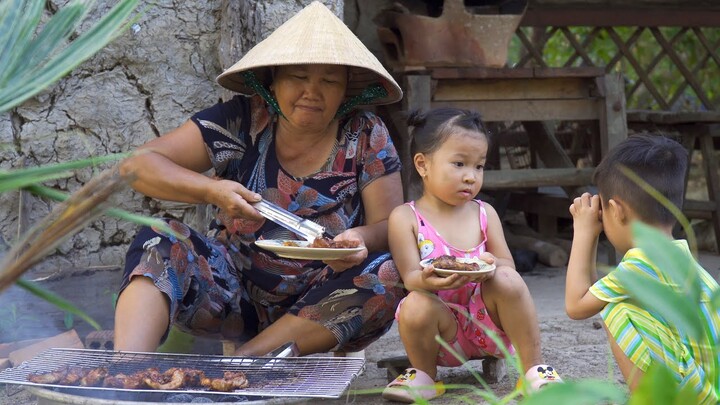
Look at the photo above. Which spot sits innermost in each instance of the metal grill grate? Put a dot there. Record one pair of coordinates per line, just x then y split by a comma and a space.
319, 377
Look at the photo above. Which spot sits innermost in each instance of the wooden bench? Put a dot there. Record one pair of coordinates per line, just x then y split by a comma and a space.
493, 368
697, 130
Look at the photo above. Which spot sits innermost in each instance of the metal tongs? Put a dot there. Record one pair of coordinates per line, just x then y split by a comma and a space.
305, 228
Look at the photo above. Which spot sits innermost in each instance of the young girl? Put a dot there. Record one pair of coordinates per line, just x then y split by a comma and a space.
449, 149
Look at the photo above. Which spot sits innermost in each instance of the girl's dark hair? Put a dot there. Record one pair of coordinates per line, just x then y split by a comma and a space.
429, 130
660, 161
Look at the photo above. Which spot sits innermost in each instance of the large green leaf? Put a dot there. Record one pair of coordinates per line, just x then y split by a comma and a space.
53, 36
577, 393
30, 80
670, 259
663, 300
658, 386
56, 300
18, 21
20, 178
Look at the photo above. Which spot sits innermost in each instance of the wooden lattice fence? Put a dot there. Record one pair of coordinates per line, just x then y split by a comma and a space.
670, 63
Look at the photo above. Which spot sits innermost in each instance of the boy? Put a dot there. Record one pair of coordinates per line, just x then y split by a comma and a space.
637, 338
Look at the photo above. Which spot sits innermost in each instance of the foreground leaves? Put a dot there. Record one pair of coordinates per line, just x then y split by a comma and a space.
30, 63
578, 393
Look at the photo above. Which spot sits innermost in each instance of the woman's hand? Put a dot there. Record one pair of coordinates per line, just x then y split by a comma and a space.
234, 199
354, 259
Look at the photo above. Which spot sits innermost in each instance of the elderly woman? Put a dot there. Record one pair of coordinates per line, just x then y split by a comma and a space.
296, 142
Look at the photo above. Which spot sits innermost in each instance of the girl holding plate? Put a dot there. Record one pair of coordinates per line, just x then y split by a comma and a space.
449, 149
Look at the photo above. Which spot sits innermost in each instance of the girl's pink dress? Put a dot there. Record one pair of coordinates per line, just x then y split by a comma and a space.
466, 302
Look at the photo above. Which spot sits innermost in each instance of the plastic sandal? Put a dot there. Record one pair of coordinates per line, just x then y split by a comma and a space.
541, 375
411, 385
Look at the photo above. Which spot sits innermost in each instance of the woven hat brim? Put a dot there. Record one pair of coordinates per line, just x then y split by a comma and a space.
313, 36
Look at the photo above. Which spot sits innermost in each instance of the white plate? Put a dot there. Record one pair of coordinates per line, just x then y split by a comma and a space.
484, 267
303, 251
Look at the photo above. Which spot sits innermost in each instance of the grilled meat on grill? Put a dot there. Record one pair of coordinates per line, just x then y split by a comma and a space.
131, 382
231, 381
172, 379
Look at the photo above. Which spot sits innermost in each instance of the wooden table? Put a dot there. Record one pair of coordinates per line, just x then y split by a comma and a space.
532, 96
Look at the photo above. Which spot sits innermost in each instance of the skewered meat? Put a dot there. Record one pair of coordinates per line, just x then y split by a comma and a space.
451, 263
172, 379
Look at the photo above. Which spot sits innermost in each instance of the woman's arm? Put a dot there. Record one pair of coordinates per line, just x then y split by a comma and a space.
379, 198
170, 168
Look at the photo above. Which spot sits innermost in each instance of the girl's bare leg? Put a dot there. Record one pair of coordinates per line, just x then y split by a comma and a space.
629, 370
422, 316
310, 337
511, 308
141, 316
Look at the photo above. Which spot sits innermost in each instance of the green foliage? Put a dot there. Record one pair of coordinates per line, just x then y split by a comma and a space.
177, 342
36, 55
578, 393
20, 178
658, 386
647, 56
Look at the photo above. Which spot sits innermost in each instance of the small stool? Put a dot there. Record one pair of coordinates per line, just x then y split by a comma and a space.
493, 368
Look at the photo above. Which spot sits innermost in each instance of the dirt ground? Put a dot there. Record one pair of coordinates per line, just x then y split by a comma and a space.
578, 349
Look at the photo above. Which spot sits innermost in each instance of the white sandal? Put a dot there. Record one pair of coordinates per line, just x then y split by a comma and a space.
540, 375
412, 385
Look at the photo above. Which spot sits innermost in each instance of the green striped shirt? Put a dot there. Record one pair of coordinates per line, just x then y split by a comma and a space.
646, 337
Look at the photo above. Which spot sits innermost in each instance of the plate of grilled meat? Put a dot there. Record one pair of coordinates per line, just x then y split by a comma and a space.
318, 249
448, 265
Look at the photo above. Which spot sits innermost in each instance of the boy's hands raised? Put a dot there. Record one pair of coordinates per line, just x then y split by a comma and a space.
587, 214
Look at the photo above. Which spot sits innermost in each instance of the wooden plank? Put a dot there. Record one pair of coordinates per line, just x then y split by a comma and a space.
672, 118
481, 73
69, 339
7, 348
524, 178
540, 204
613, 122
529, 110
621, 15
699, 205
515, 89
579, 72
713, 181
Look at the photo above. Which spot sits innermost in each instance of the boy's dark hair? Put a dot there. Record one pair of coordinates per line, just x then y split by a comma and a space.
659, 161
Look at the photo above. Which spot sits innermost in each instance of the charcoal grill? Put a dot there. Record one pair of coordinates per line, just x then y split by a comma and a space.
268, 377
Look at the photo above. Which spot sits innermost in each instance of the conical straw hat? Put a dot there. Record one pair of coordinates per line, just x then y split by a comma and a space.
313, 36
